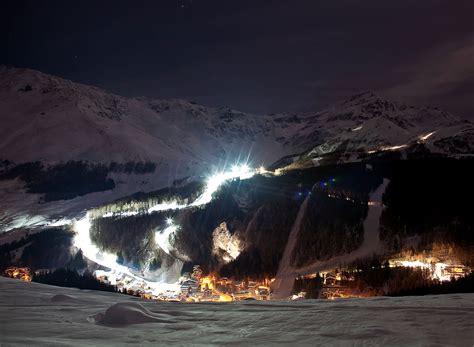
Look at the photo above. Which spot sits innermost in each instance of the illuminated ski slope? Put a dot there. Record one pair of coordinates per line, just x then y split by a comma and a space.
162, 237
163, 240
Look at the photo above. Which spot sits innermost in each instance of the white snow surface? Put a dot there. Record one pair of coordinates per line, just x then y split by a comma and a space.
37, 314
59, 120
285, 276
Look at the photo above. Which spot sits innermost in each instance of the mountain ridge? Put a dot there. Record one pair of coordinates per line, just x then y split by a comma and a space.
218, 126
52, 121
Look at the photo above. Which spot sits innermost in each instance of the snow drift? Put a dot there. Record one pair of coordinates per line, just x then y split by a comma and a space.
442, 320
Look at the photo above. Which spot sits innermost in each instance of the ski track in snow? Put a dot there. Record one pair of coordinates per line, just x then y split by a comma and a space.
371, 244
37, 314
283, 285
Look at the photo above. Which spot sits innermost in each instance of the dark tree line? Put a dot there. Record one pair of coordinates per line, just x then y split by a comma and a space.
127, 237
267, 237
377, 278
62, 181
311, 286
68, 180
460, 285
72, 279
48, 249
331, 227
430, 198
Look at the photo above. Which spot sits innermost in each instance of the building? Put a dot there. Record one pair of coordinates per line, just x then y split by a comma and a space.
190, 286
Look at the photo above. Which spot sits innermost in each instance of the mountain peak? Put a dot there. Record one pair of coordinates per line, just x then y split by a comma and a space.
362, 98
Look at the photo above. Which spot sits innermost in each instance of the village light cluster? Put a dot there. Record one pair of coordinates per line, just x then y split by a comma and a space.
437, 270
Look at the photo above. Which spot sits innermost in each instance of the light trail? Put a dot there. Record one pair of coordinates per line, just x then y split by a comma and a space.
213, 184
241, 172
421, 138
387, 148
427, 136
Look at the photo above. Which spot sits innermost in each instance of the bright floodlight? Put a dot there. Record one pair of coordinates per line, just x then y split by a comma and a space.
169, 221
244, 168
213, 183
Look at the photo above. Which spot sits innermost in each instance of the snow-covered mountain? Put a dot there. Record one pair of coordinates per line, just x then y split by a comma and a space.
51, 120
366, 124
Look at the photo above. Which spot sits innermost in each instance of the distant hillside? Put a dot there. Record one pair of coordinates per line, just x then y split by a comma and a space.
66, 147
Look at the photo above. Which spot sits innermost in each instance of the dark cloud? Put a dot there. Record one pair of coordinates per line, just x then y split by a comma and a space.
258, 56
444, 75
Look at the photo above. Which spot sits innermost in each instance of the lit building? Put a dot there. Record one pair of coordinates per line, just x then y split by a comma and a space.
21, 273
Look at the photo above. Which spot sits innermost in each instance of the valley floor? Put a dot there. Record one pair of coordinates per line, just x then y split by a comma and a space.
36, 314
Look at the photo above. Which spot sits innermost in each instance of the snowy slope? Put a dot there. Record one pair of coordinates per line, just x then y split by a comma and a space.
51, 120
59, 120
368, 124
32, 313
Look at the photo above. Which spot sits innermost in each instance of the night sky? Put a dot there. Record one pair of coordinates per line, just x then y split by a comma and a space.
258, 55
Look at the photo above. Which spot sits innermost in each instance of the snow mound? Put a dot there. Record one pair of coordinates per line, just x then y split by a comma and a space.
128, 313
63, 298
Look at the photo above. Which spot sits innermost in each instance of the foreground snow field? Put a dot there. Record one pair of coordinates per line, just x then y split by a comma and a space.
32, 313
